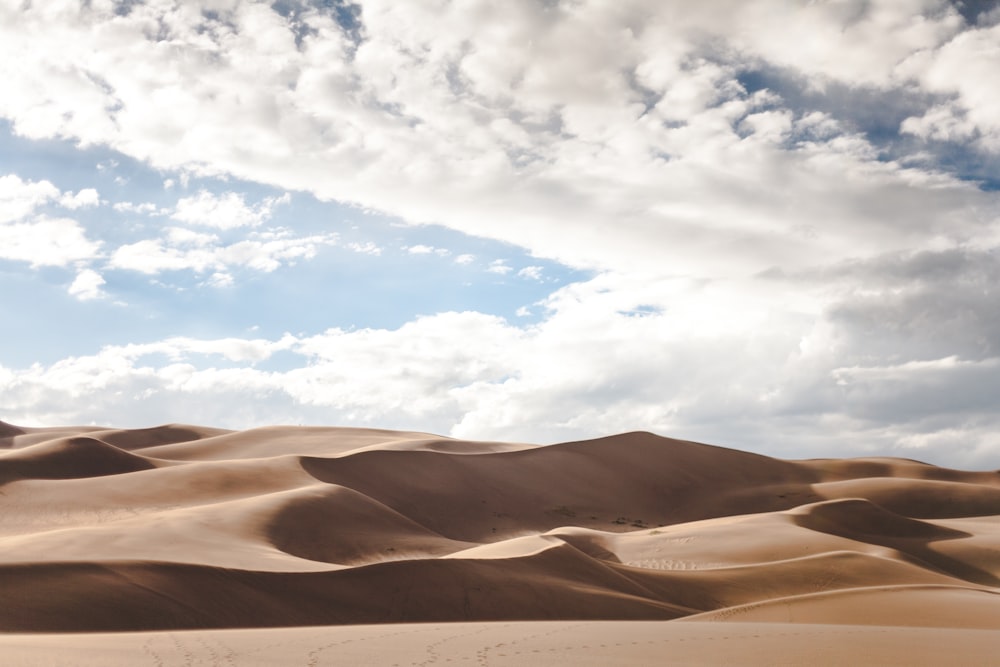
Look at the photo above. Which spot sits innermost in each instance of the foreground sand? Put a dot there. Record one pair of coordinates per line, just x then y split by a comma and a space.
633, 549
516, 644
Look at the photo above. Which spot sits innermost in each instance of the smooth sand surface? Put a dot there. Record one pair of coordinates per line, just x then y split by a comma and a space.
292, 545
516, 644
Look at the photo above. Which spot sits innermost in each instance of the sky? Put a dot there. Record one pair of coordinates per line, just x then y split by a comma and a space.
771, 225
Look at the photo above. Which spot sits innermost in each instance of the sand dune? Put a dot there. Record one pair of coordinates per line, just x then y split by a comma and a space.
190, 529
67, 458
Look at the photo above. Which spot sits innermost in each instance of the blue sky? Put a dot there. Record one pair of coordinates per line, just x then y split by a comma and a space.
770, 225
359, 269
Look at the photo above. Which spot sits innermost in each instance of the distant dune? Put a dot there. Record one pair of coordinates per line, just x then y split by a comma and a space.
490, 547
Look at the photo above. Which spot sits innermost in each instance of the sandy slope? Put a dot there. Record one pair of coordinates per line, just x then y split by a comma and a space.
183, 528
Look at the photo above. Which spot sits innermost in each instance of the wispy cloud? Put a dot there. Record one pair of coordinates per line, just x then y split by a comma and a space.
500, 267
531, 272
182, 249
421, 249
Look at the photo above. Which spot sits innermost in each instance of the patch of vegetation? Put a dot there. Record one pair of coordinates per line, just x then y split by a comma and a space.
624, 520
562, 510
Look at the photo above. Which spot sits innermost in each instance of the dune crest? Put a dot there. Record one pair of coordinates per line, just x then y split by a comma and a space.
189, 527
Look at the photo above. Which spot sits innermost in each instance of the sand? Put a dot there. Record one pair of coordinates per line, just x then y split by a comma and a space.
290, 545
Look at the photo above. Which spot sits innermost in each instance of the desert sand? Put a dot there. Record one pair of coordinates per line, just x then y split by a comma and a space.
338, 546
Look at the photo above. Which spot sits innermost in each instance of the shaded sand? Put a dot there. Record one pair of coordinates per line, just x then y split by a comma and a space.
393, 542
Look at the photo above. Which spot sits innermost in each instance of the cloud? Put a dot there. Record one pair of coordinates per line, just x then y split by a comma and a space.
500, 267
611, 114
145, 208
19, 198
531, 272
87, 285
771, 271
220, 279
366, 248
856, 42
182, 249
614, 353
29, 236
46, 242
421, 249
623, 114
83, 199
958, 69
225, 211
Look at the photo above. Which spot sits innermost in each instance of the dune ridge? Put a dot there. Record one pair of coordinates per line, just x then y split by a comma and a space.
191, 528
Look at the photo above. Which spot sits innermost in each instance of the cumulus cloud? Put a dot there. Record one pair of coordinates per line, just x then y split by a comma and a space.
82, 199
610, 114
19, 198
46, 242
40, 240
958, 70
87, 285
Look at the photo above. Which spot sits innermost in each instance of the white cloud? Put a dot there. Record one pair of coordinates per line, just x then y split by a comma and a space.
531, 272
19, 198
29, 236
145, 208
856, 42
225, 211
421, 249
465, 259
960, 69
152, 256
87, 285
623, 114
366, 248
46, 242
602, 361
183, 249
499, 266
83, 199
220, 279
